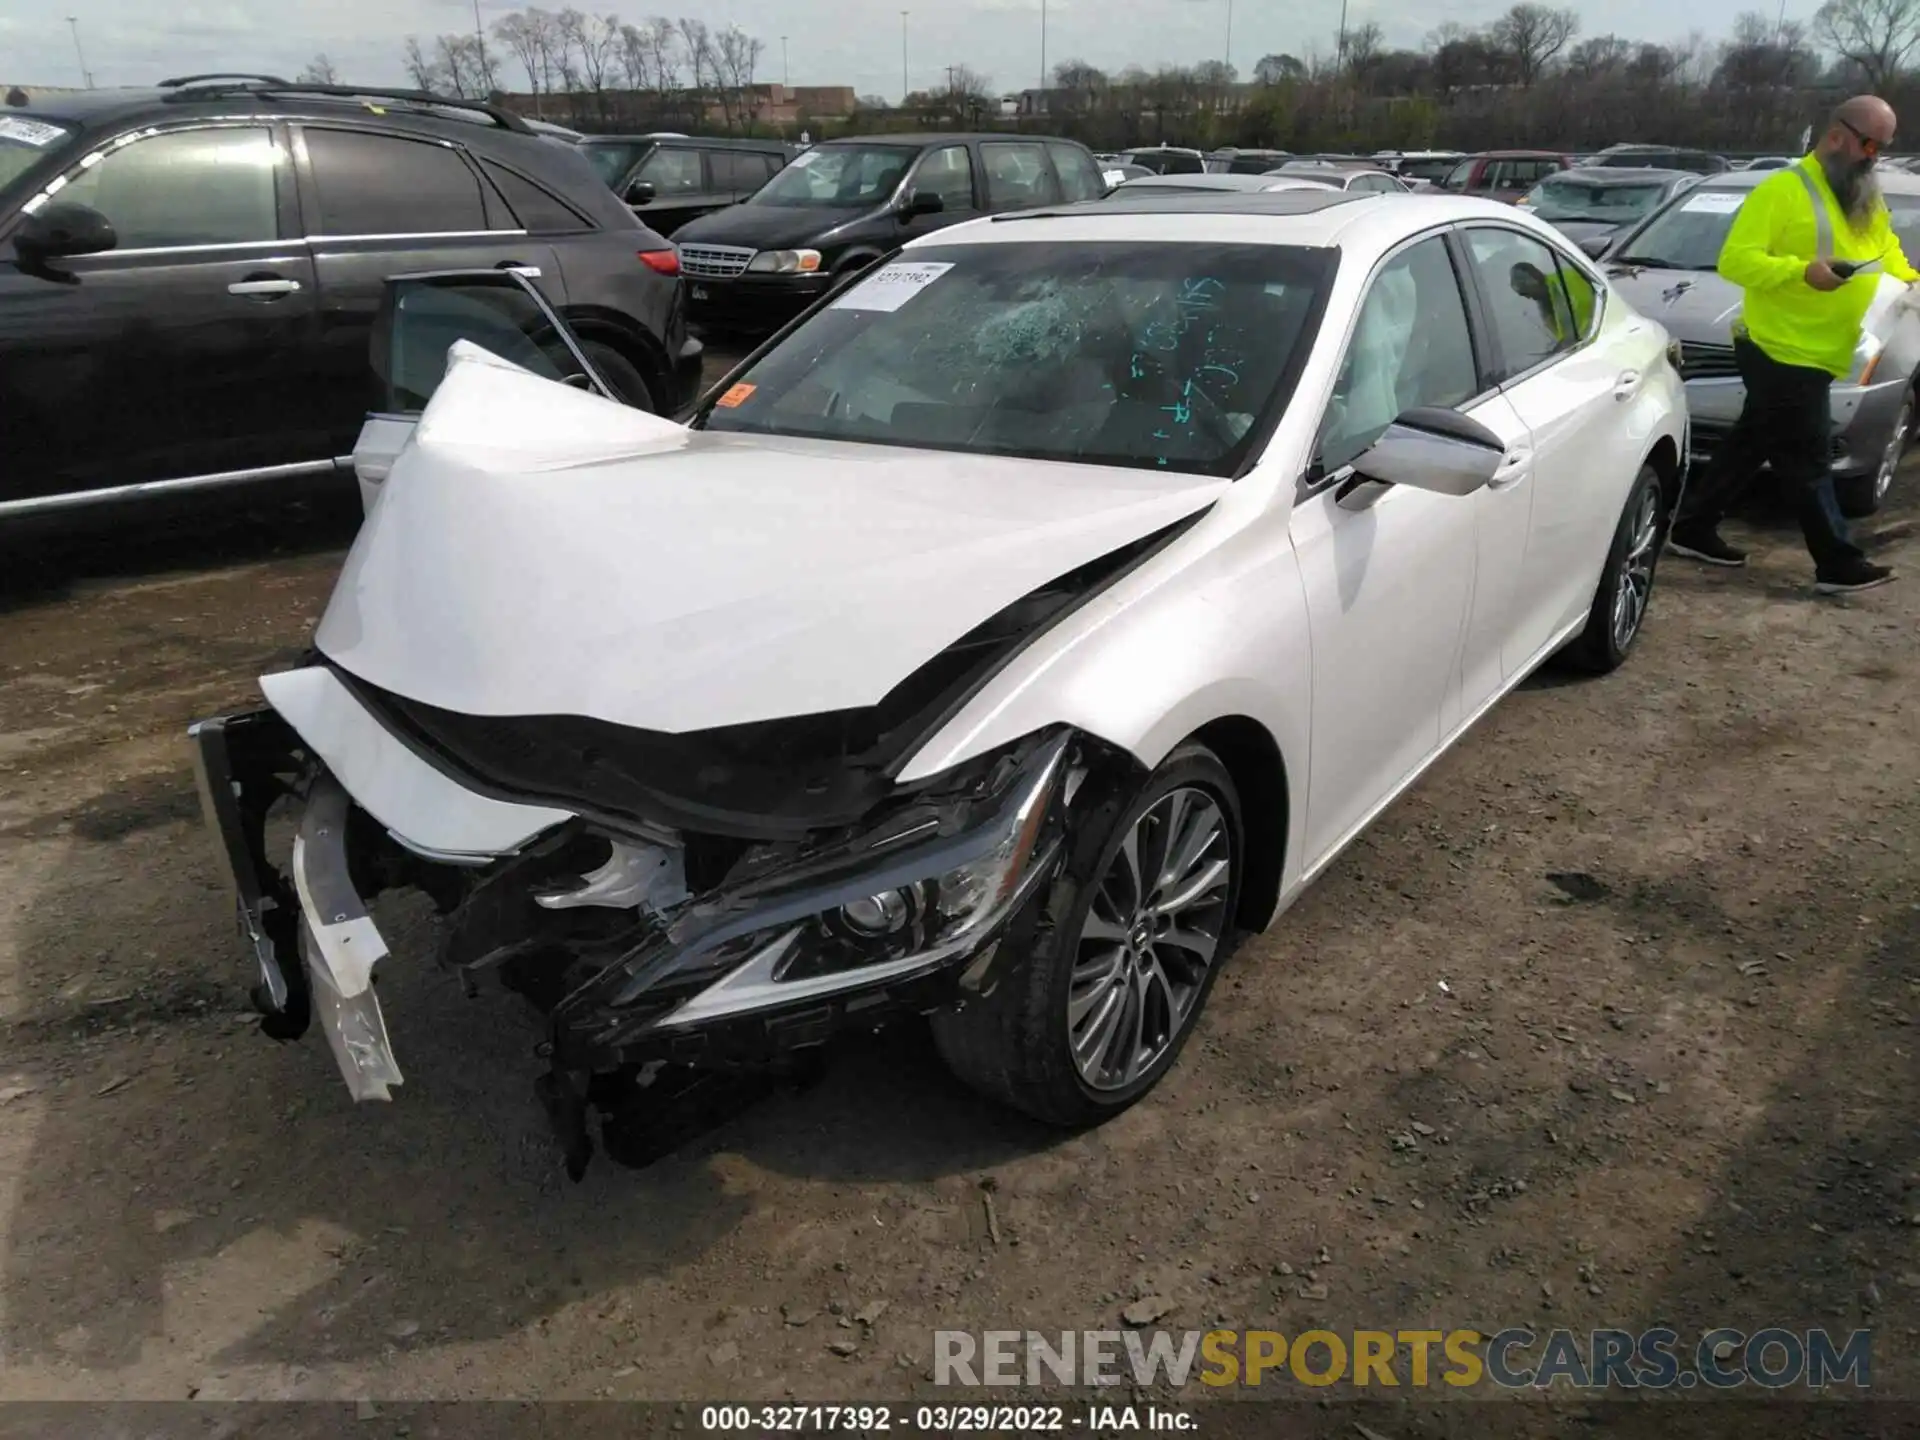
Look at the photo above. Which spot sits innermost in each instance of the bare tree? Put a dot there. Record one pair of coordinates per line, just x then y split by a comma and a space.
563, 48
1447, 32
697, 42
319, 71
1533, 35
1876, 35
520, 33
969, 94
1599, 55
736, 55
634, 68
1362, 47
424, 72
1080, 84
663, 46
463, 65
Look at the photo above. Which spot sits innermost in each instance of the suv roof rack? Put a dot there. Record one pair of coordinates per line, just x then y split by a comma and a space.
267, 87
180, 80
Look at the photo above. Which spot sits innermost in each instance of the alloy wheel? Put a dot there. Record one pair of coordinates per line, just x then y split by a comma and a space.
1630, 596
1896, 448
1151, 934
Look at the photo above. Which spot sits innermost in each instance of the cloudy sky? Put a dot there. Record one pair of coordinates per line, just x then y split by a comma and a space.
853, 42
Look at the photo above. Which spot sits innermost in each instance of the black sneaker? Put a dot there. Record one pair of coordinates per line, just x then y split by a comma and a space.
1853, 576
1703, 543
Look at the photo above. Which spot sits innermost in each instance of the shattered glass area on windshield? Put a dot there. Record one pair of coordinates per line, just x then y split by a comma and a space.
1152, 354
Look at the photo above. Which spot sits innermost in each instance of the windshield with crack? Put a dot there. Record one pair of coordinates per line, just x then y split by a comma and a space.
1118, 353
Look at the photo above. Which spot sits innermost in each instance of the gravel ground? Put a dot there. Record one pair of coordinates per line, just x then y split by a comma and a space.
1609, 1022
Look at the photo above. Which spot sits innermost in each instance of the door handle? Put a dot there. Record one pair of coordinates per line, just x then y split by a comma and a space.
1626, 385
263, 289
1514, 467
514, 267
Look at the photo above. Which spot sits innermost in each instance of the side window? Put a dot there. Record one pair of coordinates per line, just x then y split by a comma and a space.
1526, 299
186, 187
770, 166
1183, 164
423, 318
1079, 180
1017, 174
1459, 176
672, 172
948, 173
736, 170
385, 185
532, 206
1411, 346
1582, 298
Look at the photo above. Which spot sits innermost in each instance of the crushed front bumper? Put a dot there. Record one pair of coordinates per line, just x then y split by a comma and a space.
632, 1003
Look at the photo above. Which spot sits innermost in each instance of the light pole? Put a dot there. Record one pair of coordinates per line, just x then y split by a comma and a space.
1043, 53
903, 60
85, 74
1229, 54
786, 75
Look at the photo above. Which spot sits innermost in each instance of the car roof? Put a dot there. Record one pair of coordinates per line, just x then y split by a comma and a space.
725, 142
1220, 180
1305, 217
1515, 155
1605, 175
936, 137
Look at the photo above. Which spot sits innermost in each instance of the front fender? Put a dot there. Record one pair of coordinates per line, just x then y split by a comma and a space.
1210, 628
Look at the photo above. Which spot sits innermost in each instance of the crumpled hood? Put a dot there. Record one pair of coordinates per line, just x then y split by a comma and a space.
540, 550
1693, 305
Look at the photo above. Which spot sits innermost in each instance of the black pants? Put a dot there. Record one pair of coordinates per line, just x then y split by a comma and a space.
1787, 420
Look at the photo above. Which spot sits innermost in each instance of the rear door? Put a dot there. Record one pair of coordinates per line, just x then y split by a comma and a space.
380, 204
421, 317
183, 352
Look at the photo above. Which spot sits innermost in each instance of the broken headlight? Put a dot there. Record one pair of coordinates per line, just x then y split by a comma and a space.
866, 916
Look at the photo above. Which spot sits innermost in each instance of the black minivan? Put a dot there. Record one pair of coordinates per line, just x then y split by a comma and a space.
843, 204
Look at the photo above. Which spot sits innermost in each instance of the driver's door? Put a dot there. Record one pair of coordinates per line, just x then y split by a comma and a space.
420, 318
1388, 570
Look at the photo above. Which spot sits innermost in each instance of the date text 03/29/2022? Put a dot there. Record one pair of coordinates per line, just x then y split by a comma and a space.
958, 1419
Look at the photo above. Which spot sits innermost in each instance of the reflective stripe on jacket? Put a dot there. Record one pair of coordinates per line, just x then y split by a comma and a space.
1773, 239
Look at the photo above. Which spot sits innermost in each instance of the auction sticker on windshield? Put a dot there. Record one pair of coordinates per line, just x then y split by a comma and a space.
892, 286
28, 132
1717, 202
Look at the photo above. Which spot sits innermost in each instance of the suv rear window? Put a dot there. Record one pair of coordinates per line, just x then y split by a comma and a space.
535, 209
386, 185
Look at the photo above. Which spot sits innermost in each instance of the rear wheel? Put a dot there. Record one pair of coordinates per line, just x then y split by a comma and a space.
1626, 581
1861, 495
623, 377
1099, 1010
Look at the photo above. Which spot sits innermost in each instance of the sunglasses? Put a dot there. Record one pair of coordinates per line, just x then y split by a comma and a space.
1869, 146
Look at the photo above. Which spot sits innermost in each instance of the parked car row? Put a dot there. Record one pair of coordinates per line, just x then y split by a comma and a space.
203, 262
1048, 606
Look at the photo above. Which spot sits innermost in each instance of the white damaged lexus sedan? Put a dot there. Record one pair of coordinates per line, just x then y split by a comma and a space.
1038, 613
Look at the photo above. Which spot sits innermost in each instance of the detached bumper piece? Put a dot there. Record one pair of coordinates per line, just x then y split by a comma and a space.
242, 765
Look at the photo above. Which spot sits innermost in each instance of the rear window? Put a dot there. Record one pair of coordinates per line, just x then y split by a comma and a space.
25, 140
535, 209
1132, 353
612, 162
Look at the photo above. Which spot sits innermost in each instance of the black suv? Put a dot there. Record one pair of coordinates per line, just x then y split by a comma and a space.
843, 204
189, 275
671, 179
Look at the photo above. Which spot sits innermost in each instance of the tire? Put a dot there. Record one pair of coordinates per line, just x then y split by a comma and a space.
623, 377
1613, 624
1861, 495
1014, 1044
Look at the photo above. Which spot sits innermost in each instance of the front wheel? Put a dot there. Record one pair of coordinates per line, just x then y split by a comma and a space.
1861, 495
1626, 580
1098, 1011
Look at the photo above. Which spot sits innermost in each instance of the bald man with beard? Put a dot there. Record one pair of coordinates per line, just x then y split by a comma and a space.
1789, 251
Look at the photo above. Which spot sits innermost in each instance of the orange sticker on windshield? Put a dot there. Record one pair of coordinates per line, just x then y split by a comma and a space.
736, 396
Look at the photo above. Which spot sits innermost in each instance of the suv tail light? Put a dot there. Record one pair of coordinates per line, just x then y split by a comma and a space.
665, 262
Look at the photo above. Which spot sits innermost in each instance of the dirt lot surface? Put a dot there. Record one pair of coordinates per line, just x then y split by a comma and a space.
1610, 1022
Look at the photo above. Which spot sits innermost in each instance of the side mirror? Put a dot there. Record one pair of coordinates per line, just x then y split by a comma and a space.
63, 230
1432, 449
922, 202
1594, 246
640, 192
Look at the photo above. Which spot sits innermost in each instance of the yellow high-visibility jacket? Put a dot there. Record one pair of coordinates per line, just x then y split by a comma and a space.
1774, 237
